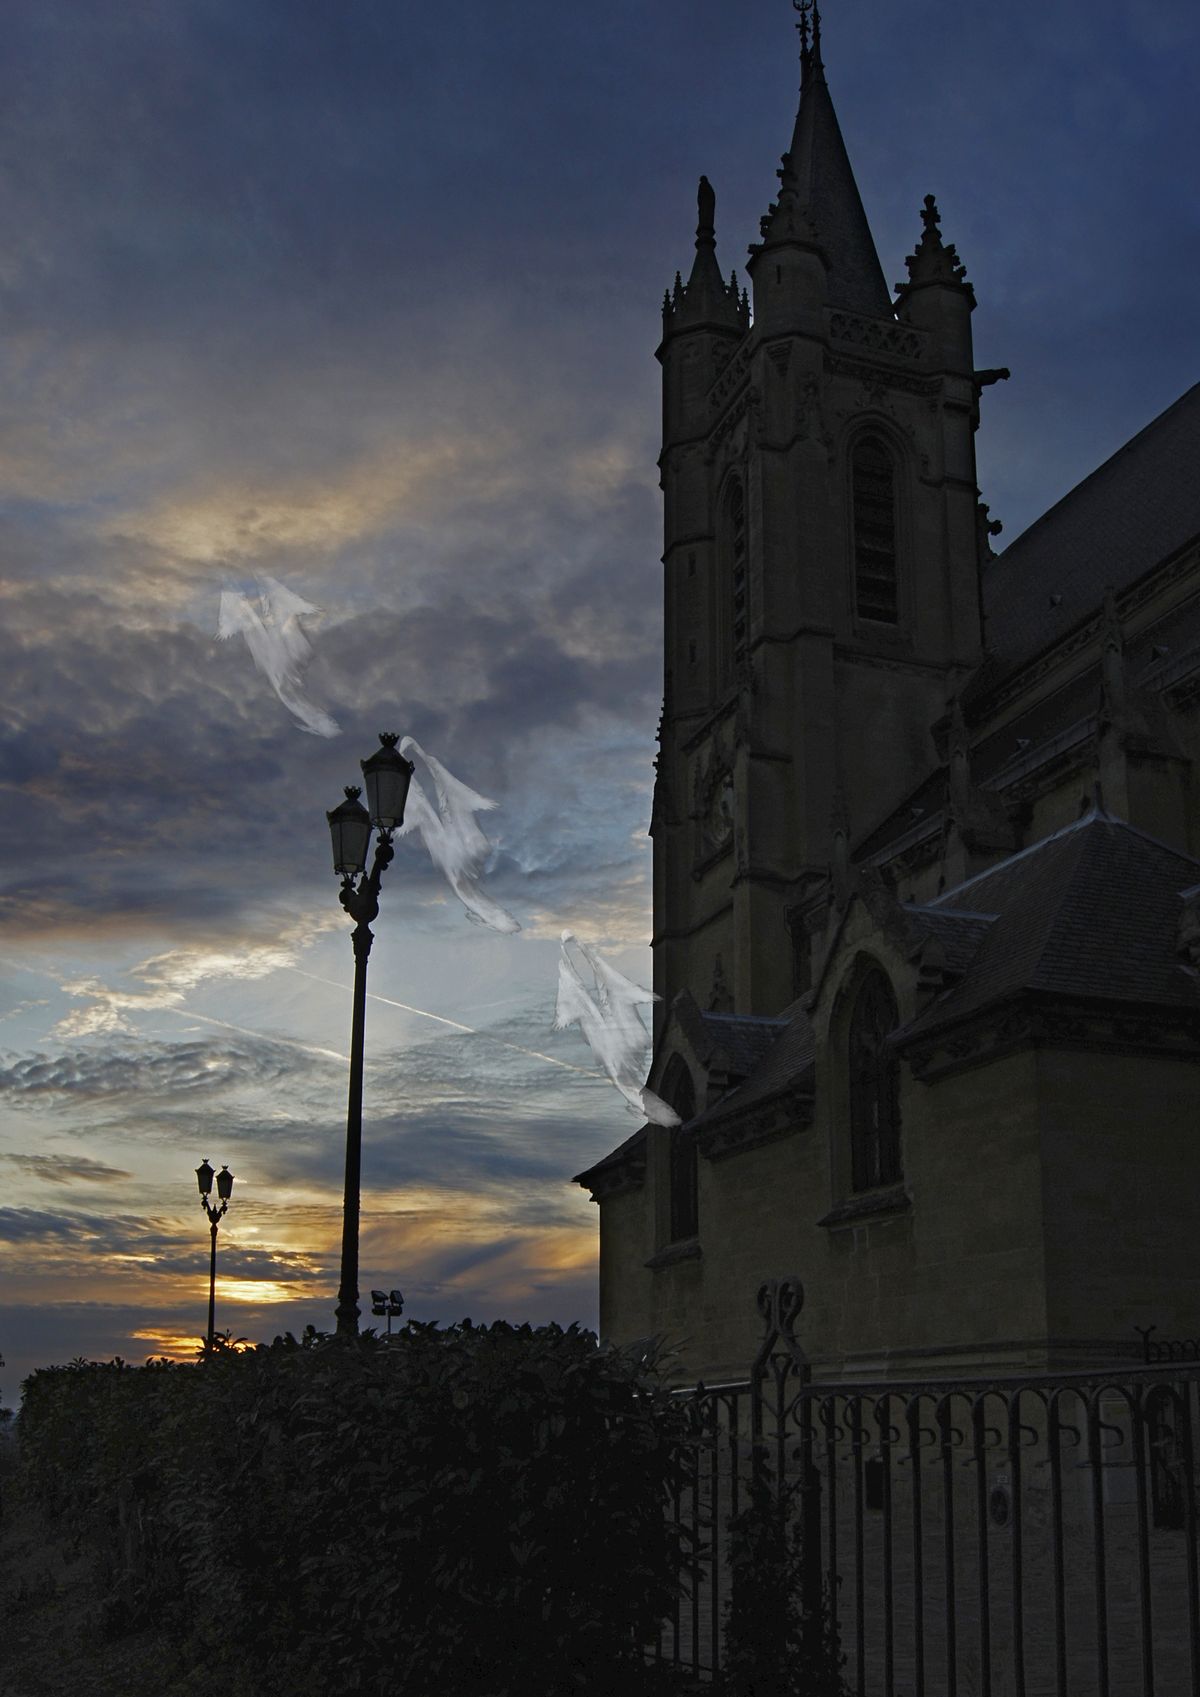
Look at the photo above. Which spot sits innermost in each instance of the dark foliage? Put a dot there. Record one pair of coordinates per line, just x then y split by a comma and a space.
474, 1511
780, 1636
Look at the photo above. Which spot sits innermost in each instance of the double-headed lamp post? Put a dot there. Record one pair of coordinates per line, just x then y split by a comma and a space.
204, 1178
387, 775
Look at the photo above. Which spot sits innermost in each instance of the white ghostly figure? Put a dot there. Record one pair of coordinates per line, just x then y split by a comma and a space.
457, 847
278, 646
607, 1014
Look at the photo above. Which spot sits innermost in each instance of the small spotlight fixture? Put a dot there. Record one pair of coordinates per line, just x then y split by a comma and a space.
389, 1303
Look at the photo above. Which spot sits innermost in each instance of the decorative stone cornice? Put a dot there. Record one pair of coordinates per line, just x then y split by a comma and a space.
627, 1174
885, 377
1028, 1023
687, 1250
759, 1123
878, 335
868, 1205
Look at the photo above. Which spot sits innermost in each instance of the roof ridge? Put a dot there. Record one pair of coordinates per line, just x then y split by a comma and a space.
1091, 817
1096, 814
750, 1018
952, 912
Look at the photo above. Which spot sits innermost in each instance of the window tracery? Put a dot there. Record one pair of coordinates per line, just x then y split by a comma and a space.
873, 485
874, 1085
733, 612
682, 1179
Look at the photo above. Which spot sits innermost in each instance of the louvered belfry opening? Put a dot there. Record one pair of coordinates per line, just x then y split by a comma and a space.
874, 484
874, 1085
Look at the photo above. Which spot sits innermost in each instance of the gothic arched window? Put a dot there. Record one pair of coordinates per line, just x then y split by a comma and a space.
732, 614
873, 483
677, 1090
874, 1085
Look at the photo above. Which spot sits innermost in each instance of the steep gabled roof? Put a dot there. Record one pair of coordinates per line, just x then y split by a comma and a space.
736, 1045
1091, 912
1138, 508
785, 1064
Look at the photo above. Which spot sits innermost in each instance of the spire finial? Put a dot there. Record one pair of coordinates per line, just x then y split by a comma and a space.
810, 34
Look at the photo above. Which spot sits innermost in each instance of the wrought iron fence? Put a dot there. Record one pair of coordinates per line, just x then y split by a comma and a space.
987, 1537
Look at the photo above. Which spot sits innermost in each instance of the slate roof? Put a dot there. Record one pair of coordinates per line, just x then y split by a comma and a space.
791, 1056
1091, 912
765, 1056
615, 1157
1138, 508
743, 1037
960, 934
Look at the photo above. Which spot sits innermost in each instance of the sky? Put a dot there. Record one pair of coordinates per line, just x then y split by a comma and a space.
362, 296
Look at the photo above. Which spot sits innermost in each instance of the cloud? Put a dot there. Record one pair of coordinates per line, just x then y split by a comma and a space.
167, 1070
67, 1169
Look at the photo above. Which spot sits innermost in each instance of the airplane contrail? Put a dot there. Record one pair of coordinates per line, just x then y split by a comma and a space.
263, 1037
456, 1024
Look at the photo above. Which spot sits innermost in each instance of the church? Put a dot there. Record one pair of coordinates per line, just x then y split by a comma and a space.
926, 833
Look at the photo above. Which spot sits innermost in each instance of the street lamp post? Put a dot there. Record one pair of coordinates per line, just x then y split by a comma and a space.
387, 775
204, 1178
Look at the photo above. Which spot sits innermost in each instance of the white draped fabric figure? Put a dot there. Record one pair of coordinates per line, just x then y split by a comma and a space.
607, 1014
278, 646
457, 847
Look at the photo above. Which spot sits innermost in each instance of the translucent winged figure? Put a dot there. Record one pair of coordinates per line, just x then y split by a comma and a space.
457, 846
607, 1013
278, 646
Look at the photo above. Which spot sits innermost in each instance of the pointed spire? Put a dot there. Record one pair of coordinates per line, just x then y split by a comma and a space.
819, 203
933, 261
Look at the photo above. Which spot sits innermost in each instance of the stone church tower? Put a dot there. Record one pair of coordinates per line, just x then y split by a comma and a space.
822, 563
926, 901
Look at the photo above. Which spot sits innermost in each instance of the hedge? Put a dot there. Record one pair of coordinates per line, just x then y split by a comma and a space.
477, 1510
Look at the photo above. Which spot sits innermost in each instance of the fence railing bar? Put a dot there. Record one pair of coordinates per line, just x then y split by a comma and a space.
1016, 1514
828, 1412
979, 1453
944, 1423
714, 1509
914, 1455
884, 1426
1189, 1526
1137, 1438
1056, 1521
859, 1627
1099, 1569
